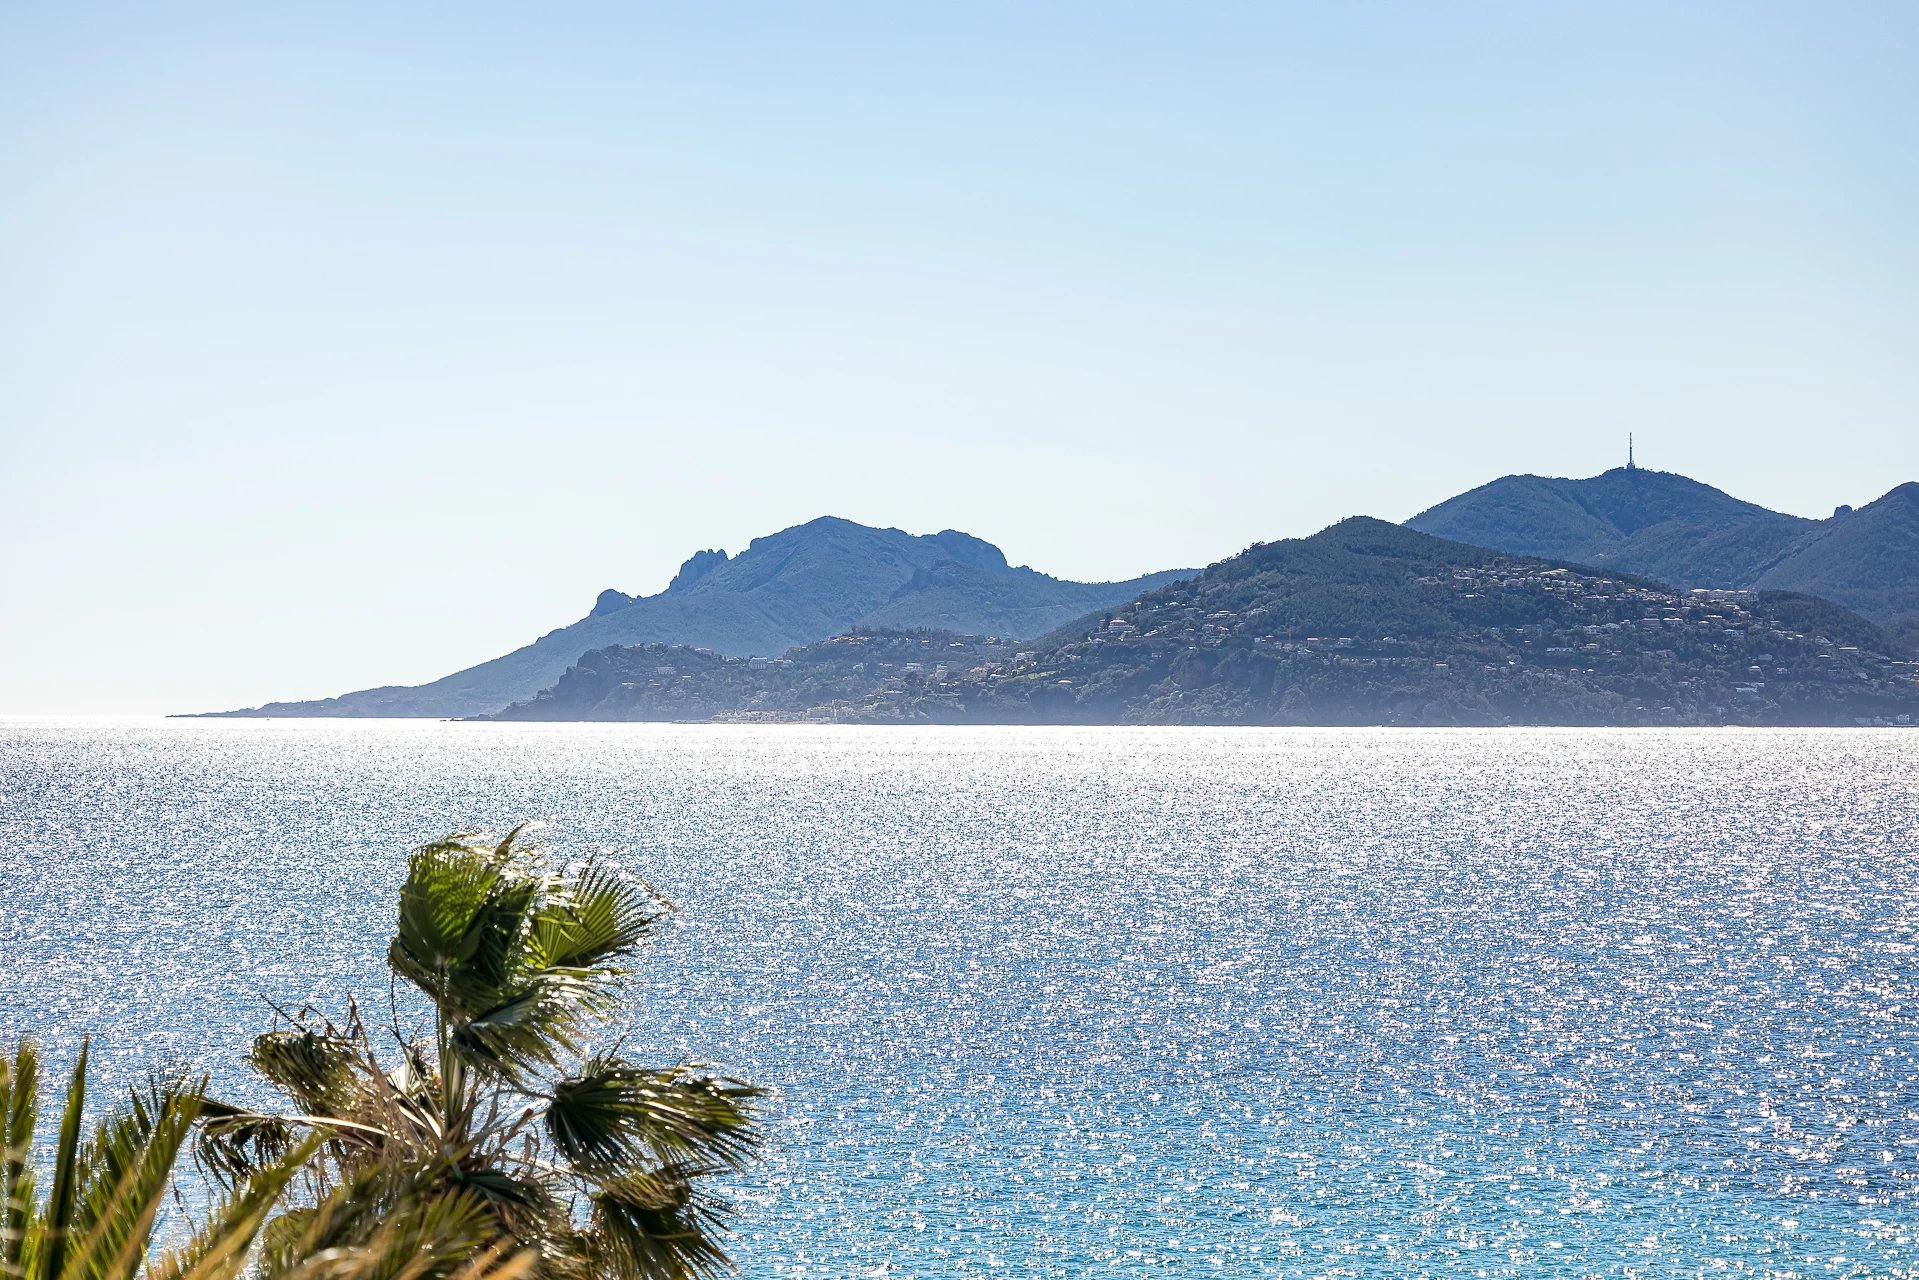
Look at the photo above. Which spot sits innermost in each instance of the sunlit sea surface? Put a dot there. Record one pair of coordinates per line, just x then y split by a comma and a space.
1105, 1002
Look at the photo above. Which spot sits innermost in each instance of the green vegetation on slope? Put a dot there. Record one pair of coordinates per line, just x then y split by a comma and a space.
1867, 560
878, 674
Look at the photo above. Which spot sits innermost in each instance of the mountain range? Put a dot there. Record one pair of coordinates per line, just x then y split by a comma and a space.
1678, 530
790, 588
1363, 623
830, 578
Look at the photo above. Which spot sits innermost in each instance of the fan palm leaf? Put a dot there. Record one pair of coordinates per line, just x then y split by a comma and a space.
657, 1225
599, 915
447, 886
616, 1113
314, 1067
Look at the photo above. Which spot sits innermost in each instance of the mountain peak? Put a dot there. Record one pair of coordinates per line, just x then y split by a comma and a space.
1632, 518
838, 536
697, 566
1674, 528
610, 601
1357, 524
968, 550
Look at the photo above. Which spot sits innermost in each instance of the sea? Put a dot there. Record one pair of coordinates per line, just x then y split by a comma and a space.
1103, 1002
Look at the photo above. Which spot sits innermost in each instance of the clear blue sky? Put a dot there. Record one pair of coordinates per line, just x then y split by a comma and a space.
350, 344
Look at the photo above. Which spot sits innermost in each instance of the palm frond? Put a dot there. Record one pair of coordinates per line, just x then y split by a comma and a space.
522, 1199
234, 1144
447, 884
317, 1067
19, 1115
617, 1114
601, 915
505, 848
657, 1226
106, 1192
499, 1261
537, 1024
383, 1225
497, 930
122, 1176
48, 1242
414, 1077
222, 1247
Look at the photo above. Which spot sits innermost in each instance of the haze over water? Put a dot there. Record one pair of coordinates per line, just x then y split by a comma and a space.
1047, 1002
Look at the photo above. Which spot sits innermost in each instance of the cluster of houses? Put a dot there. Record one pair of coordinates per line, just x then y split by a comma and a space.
1600, 625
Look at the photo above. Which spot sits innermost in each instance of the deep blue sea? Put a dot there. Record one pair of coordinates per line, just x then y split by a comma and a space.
1113, 1002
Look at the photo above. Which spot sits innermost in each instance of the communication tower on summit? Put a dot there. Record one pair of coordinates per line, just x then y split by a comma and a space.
1629, 464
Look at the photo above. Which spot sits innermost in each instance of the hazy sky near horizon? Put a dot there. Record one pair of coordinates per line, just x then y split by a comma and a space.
351, 344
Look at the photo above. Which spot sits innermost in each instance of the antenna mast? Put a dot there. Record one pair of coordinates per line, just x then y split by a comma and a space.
1629, 463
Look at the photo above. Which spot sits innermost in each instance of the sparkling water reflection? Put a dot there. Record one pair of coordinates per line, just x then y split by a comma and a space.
1127, 1002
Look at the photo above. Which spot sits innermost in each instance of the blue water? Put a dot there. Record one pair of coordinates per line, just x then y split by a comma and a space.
1050, 1002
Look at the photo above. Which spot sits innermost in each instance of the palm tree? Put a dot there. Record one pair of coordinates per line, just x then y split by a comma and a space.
106, 1192
500, 1122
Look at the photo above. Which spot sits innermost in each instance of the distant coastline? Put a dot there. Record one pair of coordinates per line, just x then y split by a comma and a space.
1530, 600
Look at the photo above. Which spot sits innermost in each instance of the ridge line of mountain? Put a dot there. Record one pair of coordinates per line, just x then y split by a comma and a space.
832, 576
792, 587
1364, 622
1676, 529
